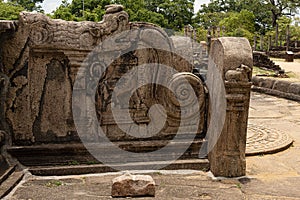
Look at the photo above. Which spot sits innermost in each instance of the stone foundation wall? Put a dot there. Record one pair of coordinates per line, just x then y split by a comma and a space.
280, 88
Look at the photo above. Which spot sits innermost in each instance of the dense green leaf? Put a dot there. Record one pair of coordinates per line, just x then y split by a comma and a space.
9, 10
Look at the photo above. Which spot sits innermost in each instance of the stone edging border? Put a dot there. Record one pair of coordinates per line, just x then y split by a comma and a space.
279, 88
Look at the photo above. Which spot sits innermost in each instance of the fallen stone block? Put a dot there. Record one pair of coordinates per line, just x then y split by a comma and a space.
133, 186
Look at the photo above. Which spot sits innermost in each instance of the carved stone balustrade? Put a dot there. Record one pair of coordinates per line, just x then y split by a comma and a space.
48, 61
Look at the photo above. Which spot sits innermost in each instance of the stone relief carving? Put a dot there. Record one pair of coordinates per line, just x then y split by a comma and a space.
27, 59
43, 56
43, 47
243, 74
233, 57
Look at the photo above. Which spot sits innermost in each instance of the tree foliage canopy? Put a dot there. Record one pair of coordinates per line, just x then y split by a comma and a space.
240, 17
29, 5
266, 12
9, 10
173, 14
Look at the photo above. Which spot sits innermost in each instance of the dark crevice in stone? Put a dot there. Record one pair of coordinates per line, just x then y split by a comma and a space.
19, 59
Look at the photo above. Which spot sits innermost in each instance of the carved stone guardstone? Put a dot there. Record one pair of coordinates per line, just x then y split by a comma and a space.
42, 57
233, 58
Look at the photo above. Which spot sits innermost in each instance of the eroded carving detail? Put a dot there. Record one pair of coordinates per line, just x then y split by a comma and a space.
28, 59
243, 74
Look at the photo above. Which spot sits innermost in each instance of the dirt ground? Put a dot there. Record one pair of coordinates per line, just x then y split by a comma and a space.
289, 67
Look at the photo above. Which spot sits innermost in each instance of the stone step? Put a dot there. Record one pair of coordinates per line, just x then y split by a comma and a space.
192, 164
74, 154
7, 173
8, 185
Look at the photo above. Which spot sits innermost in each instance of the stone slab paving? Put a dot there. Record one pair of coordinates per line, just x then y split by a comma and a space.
269, 177
175, 185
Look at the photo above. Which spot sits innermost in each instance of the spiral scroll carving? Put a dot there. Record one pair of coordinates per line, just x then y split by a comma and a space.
188, 96
40, 33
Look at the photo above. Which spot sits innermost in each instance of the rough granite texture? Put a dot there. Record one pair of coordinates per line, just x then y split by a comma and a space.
129, 185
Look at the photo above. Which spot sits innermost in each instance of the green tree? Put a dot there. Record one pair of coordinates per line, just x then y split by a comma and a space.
209, 19
93, 10
266, 12
64, 12
280, 8
178, 13
283, 23
172, 14
201, 33
296, 30
29, 5
239, 24
9, 10
143, 10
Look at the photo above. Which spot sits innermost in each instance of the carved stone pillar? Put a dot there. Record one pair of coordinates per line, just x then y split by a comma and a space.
233, 58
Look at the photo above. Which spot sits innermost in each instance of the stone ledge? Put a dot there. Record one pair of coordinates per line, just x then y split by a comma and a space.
283, 89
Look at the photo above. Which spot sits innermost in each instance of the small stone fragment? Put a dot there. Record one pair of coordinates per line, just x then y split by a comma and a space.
129, 185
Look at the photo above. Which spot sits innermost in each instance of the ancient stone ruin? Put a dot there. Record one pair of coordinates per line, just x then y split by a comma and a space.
262, 60
44, 62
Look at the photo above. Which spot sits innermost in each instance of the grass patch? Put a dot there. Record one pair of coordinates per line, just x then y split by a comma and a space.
157, 173
277, 59
73, 162
239, 186
292, 75
259, 71
92, 162
54, 183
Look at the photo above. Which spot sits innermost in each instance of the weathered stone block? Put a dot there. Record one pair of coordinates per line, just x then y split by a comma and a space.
263, 82
256, 80
267, 83
133, 186
294, 88
282, 86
